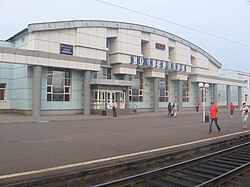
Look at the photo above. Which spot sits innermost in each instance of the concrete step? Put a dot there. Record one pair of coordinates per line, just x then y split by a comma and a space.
109, 112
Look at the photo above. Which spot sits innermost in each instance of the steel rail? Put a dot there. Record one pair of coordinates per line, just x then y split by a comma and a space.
142, 177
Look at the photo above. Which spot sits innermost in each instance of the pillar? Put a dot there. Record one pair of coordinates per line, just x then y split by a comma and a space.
215, 94
198, 93
86, 92
156, 95
126, 77
228, 96
36, 101
180, 95
239, 96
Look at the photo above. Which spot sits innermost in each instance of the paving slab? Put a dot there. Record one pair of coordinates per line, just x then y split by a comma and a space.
29, 145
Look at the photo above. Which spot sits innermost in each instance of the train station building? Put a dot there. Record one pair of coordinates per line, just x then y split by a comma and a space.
80, 67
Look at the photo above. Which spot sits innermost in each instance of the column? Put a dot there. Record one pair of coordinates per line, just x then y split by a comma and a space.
215, 94
228, 96
126, 77
86, 92
36, 101
127, 98
180, 95
198, 93
239, 96
156, 95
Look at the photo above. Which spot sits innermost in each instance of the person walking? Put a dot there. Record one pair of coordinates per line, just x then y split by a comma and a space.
232, 110
169, 109
213, 117
244, 114
114, 106
197, 104
174, 108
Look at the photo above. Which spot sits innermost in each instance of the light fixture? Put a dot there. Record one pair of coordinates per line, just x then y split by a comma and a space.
204, 87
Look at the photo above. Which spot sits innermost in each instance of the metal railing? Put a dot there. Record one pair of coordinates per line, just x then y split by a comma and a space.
132, 106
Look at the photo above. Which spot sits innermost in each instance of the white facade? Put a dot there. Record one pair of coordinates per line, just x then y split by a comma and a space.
101, 61
232, 74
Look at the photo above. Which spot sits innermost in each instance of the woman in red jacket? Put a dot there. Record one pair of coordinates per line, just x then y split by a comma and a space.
214, 117
232, 110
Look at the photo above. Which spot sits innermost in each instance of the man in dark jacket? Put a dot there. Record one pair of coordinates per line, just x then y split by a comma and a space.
169, 110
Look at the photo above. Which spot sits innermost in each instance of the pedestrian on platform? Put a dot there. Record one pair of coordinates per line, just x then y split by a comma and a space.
174, 108
244, 114
114, 107
232, 110
197, 106
213, 117
169, 109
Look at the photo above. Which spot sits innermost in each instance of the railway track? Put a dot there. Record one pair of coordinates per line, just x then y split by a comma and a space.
150, 175
208, 170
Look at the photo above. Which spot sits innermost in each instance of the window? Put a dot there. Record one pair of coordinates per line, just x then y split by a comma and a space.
58, 84
107, 73
2, 91
136, 94
164, 90
185, 93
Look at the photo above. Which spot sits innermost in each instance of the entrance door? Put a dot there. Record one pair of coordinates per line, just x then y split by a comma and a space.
108, 99
103, 99
118, 96
120, 99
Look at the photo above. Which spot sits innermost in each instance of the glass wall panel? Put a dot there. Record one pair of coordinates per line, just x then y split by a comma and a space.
58, 84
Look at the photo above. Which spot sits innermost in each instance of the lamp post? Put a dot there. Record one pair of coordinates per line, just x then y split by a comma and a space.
203, 88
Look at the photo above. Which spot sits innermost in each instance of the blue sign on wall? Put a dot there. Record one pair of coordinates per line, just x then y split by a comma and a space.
156, 63
66, 49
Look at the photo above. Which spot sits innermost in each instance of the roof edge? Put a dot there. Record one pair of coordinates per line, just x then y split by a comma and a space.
112, 24
17, 35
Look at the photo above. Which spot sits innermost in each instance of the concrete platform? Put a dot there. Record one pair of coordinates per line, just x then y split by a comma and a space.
31, 145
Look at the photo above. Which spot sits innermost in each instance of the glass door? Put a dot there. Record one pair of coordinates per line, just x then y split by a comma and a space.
102, 99
108, 99
120, 99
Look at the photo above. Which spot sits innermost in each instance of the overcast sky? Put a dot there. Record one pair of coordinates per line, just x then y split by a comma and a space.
220, 27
